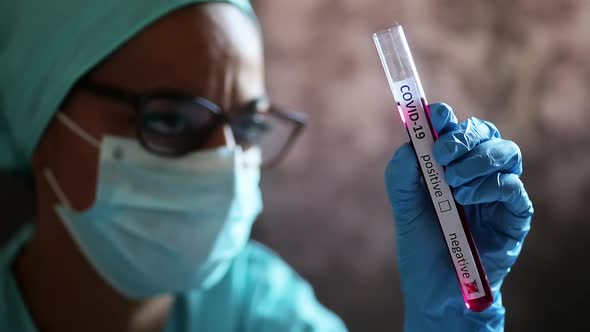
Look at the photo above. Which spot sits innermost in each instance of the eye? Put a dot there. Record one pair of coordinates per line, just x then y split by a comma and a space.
250, 128
166, 123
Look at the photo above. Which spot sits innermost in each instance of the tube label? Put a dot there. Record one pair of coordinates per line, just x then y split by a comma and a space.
417, 122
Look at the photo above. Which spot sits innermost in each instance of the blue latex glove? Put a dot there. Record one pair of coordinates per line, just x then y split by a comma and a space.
484, 171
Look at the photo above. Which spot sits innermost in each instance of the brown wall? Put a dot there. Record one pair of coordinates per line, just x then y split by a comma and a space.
523, 64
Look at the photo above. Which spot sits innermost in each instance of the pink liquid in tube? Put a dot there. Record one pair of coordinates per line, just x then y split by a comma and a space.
411, 103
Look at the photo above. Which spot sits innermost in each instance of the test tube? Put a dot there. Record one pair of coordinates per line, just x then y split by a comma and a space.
411, 103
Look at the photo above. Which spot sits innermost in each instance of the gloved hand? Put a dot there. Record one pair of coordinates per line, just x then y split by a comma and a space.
483, 169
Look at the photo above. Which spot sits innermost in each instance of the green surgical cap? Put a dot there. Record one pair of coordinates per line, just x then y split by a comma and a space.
46, 46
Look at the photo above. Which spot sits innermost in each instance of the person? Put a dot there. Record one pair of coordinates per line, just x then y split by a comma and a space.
144, 126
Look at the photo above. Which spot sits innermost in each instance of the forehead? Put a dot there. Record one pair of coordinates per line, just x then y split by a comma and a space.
201, 49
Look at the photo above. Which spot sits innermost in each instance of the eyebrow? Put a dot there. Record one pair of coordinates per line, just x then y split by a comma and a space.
132, 98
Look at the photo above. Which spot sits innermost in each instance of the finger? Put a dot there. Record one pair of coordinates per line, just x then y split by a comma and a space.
498, 187
454, 144
402, 175
403, 181
495, 155
443, 118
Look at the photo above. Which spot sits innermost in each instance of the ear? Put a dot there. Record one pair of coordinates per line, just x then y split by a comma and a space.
39, 160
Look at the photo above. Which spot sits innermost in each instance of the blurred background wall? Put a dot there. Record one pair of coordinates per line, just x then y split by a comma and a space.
523, 64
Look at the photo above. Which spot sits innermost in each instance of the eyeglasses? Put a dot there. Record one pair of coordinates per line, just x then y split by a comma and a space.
172, 124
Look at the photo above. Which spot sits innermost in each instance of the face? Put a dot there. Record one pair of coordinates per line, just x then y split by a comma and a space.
212, 51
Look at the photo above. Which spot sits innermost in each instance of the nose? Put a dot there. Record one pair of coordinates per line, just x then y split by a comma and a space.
222, 137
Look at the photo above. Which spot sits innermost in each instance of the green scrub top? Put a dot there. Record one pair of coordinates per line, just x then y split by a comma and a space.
259, 293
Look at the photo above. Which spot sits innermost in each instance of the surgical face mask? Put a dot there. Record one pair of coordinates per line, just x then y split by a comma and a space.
161, 225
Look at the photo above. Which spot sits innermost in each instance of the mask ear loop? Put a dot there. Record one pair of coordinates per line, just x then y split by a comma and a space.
49, 176
77, 130
55, 187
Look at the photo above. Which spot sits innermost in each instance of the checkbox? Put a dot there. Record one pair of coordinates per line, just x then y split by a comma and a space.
444, 206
